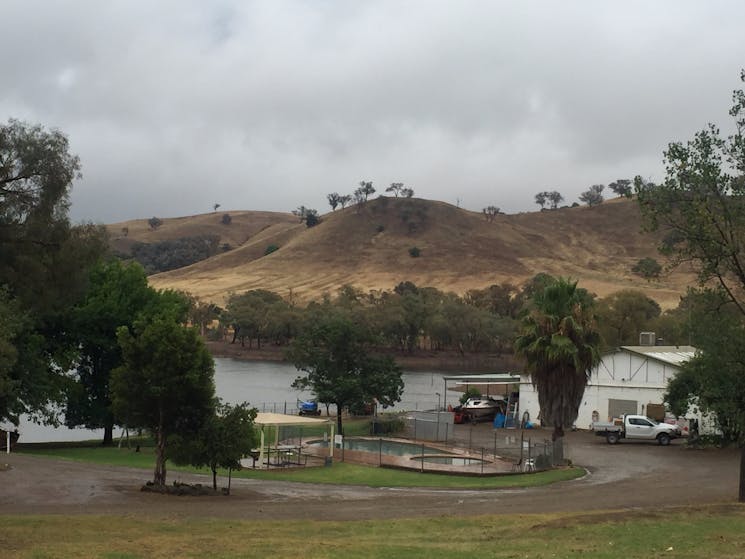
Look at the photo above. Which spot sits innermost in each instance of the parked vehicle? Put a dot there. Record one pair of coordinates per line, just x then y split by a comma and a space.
308, 407
637, 427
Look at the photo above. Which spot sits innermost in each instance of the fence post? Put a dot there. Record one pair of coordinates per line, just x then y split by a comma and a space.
482, 460
422, 457
380, 451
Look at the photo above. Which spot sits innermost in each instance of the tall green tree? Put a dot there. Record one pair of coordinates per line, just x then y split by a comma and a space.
165, 384
45, 262
622, 315
224, 438
250, 314
117, 295
335, 355
560, 343
714, 380
701, 205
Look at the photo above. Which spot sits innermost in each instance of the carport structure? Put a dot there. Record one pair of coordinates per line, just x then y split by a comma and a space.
268, 420
490, 384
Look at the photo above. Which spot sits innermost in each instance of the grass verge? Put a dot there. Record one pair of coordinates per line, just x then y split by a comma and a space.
681, 533
339, 473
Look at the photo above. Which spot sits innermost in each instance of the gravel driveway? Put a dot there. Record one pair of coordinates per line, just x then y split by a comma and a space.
626, 475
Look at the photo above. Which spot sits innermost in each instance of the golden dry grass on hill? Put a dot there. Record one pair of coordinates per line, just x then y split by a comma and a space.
460, 250
243, 225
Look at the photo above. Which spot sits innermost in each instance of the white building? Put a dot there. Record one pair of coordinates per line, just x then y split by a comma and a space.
626, 380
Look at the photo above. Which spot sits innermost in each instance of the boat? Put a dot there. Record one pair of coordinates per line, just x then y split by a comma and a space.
483, 408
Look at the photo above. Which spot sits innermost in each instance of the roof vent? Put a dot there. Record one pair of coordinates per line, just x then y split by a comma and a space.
647, 338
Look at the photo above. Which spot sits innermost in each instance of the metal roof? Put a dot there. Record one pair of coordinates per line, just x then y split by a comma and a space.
489, 378
670, 354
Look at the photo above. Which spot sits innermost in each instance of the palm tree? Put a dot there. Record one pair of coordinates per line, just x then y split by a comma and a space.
560, 343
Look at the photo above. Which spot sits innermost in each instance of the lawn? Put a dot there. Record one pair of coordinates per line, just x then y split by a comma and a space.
681, 533
339, 473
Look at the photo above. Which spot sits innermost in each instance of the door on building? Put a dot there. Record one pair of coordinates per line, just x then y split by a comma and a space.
617, 408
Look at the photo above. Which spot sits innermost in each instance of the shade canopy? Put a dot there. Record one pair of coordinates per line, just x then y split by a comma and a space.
283, 420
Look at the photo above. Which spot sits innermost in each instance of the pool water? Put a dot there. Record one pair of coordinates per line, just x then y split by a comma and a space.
449, 460
391, 448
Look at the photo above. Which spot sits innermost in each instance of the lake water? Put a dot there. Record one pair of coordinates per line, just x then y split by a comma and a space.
266, 386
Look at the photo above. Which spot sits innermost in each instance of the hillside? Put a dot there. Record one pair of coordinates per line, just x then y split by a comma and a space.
243, 225
460, 250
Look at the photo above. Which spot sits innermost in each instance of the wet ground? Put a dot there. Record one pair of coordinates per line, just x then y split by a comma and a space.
622, 476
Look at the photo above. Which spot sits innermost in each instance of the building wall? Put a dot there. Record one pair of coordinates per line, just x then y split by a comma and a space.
621, 375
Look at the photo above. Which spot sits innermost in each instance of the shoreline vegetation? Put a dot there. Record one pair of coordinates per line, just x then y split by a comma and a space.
417, 360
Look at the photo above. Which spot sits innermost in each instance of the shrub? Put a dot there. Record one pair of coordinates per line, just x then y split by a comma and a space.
648, 268
226, 219
270, 249
380, 228
414, 252
472, 392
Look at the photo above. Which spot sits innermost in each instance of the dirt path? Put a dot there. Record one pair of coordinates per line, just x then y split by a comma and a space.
622, 476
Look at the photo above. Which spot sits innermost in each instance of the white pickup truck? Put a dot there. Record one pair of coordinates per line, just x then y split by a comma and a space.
638, 427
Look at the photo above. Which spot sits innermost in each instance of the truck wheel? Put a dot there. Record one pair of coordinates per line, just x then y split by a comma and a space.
612, 438
663, 439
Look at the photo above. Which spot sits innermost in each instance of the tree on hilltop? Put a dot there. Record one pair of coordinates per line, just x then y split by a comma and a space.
395, 188
622, 187
541, 198
555, 198
334, 200
490, 212
593, 196
344, 199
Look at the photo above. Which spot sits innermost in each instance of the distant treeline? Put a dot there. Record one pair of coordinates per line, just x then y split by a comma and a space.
410, 317
163, 256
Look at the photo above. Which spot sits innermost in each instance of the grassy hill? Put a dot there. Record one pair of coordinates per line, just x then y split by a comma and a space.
459, 250
243, 225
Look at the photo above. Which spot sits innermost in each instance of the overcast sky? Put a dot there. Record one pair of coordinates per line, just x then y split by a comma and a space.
174, 106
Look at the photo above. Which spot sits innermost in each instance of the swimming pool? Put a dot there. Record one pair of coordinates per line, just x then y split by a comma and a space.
384, 446
449, 460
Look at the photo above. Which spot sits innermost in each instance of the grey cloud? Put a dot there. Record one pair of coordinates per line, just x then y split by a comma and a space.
174, 106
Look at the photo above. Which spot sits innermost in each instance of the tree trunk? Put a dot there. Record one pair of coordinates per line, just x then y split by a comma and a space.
742, 475
230, 475
557, 437
159, 477
160, 459
558, 452
558, 433
214, 478
108, 435
338, 420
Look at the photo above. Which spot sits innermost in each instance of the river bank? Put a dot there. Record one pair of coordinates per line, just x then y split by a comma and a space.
418, 360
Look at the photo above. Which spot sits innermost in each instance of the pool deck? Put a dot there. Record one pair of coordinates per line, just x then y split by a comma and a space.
491, 465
